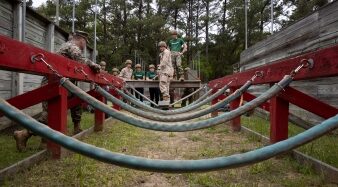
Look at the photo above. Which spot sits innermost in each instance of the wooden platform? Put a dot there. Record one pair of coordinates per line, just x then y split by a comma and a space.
173, 84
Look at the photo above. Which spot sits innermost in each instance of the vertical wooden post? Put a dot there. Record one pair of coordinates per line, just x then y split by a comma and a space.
213, 102
99, 116
57, 119
115, 94
279, 113
236, 122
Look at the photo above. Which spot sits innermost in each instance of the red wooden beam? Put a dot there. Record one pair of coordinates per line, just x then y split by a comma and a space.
249, 97
308, 103
279, 119
325, 65
57, 119
99, 116
30, 98
115, 94
16, 56
236, 122
74, 101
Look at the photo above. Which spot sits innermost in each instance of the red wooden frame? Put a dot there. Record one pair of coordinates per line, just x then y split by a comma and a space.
16, 56
325, 65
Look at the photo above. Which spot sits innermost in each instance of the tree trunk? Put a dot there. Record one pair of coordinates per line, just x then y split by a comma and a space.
207, 9
197, 22
105, 36
224, 16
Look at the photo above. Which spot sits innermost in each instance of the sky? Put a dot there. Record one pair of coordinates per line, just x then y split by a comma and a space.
37, 3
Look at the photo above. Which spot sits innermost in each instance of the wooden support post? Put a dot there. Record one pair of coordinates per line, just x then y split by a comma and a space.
213, 102
236, 122
279, 119
115, 94
57, 119
99, 116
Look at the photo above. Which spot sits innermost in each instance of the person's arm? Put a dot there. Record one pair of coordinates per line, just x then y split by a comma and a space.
185, 47
121, 73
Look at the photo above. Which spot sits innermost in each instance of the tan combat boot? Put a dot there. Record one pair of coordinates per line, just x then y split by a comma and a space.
21, 138
77, 128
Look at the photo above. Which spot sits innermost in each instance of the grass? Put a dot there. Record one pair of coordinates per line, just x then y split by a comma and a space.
8, 153
77, 170
324, 148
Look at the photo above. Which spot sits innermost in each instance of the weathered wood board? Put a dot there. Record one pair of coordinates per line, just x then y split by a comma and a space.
316, 31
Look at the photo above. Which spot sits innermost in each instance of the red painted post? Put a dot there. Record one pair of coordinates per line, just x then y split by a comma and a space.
213, 102
99, 116
236, 122
57, 119
115, 94
279, 119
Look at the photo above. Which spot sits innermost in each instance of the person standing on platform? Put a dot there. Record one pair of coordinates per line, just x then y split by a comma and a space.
103, 65
166, 71
138, 75
126, 73
177, 47
154, 92
115, 72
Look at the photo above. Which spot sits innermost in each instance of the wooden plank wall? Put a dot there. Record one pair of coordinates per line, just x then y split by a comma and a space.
316, 31
6, 28
38, 33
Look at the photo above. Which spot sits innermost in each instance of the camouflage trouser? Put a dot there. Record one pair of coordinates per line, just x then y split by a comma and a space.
76, 111
177, 64
164, 84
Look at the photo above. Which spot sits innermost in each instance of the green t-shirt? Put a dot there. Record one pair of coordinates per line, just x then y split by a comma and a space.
176, 44
138, 75
151, 75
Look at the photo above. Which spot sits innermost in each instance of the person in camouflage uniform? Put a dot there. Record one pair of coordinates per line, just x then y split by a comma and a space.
126, 73
72, 50
166, 72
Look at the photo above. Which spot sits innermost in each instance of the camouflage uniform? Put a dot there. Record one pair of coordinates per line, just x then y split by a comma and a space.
166, 72
126, 73
71, 51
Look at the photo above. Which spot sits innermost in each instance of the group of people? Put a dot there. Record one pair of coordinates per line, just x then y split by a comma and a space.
170, 66
127, 73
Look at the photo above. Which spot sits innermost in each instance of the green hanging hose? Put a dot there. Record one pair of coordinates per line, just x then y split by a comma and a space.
178, 126
178, 117
177, 166
190, 107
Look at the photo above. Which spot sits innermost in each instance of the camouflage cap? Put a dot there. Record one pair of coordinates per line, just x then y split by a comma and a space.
162, 44
82, 34
103, 63
138, 66
186, 69
115, 70
151, 66
128, 62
